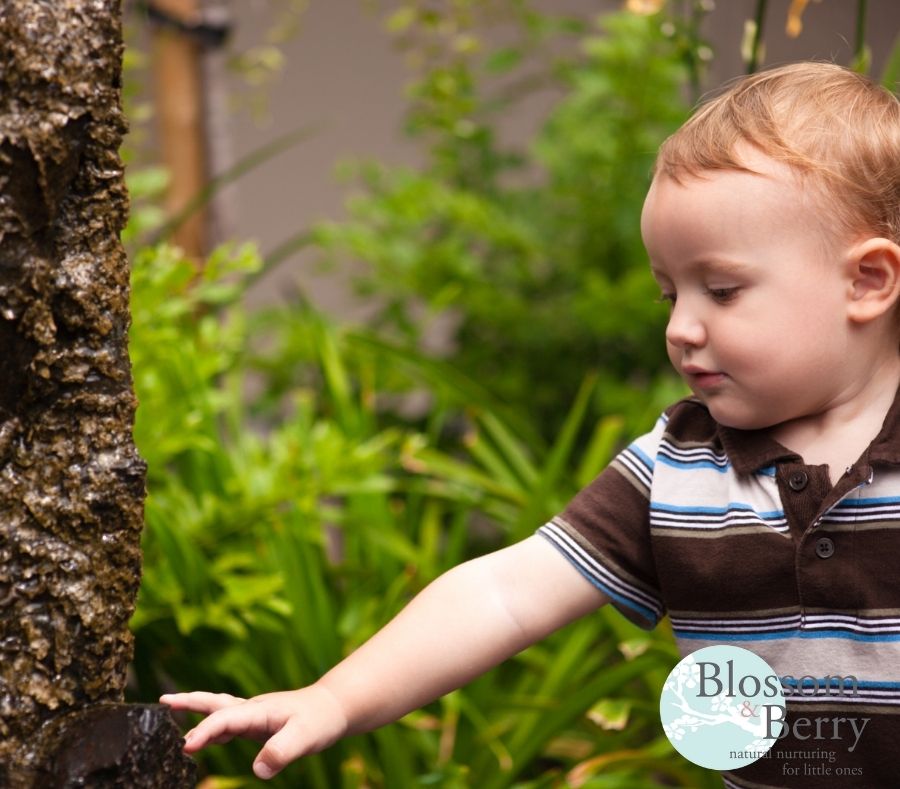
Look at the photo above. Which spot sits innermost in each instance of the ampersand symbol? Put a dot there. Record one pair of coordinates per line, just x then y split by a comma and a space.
747, 711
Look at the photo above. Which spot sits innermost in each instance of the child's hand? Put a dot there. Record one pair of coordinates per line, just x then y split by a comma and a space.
292, 723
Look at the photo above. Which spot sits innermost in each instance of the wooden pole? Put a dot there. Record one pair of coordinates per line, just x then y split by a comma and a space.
178, 84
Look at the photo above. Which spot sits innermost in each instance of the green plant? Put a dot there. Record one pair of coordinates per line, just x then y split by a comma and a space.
537, 257
283, 532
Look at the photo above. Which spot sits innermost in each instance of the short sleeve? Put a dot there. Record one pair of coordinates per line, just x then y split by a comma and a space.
605, 531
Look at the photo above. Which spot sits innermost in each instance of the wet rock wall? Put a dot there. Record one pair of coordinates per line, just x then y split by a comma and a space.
71, 481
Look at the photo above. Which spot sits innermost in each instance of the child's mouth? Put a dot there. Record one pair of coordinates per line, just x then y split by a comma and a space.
703, 379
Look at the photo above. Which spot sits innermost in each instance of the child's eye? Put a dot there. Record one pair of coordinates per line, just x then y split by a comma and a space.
722, 295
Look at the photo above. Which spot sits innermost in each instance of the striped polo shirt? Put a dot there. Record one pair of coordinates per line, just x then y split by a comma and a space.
739, 542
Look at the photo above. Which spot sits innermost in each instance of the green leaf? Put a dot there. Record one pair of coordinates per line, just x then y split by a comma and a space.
890, 77
610, 714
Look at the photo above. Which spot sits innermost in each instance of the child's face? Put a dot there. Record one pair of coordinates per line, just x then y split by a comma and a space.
758, 327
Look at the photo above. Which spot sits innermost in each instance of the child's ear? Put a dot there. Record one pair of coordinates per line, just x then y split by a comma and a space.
874, 272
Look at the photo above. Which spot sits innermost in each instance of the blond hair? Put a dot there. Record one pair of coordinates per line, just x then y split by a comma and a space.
836, 128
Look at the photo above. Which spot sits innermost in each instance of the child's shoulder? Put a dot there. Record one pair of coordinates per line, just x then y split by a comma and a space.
685, 426
687, 430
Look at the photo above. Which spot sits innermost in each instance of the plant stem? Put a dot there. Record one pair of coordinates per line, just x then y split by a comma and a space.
757, 35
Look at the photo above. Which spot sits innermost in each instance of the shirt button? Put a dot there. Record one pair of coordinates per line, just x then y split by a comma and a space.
824, 547
798, 480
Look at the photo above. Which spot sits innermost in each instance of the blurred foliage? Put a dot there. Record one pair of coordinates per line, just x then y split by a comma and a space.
282, 532
536, 255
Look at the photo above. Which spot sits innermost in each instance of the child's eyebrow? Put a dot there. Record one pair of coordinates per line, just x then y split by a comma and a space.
706, 266
720, 266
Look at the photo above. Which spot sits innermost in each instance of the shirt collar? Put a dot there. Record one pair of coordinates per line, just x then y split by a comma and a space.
752, 450
886, 446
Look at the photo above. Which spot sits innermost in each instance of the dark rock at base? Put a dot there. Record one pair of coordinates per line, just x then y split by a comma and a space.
126, 746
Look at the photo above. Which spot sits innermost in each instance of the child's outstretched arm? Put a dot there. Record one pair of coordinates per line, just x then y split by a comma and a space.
465, 622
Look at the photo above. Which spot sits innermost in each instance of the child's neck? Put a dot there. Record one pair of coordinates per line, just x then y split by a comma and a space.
839, 435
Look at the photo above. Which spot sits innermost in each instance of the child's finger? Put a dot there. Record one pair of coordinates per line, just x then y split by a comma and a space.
244, 719
200, 701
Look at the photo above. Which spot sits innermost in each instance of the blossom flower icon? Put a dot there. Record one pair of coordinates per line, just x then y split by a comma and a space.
722, 703
722, 709
707, 714
685, 675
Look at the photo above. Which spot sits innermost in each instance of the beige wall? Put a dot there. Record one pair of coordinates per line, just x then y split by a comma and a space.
343, 77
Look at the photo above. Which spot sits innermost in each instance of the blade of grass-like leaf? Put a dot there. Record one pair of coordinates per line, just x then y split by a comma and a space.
658, 753
579, 652
568, 710
396, 545
446, 378
599, 451
514, 450
178, 550
336, 379
494, 463
449, 724
252, 160
430, 531
455, 540
560, 454
284, 250
431, 461
487, 735
586, 646
890, 77
318, 773
313, 615
394, 759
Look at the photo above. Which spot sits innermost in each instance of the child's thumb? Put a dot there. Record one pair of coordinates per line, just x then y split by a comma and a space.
280, 750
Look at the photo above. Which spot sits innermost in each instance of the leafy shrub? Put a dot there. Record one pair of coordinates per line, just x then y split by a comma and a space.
538, 257
280, 535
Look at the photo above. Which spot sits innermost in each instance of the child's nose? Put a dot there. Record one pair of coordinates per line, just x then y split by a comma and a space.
684, 328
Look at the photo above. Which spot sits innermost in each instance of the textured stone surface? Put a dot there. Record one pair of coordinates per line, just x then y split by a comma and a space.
132, 746
71, 481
